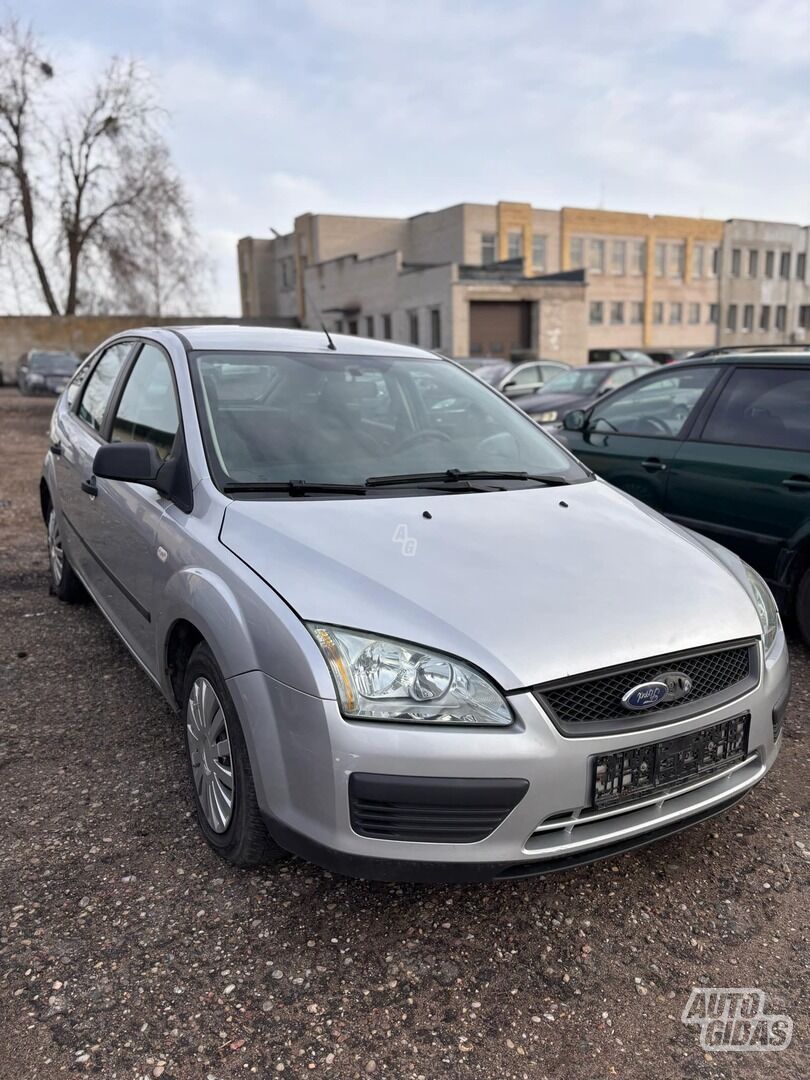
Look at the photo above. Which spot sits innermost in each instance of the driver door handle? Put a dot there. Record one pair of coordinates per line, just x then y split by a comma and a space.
89, 486
653, 464
797, 483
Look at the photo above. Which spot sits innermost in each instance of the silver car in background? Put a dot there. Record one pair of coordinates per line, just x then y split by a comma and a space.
308, 544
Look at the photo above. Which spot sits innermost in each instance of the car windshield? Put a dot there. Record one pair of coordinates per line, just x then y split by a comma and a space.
340, 419
580, 381
53, 363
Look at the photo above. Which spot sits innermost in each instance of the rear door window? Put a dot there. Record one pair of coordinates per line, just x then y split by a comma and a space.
768, 407
99, 385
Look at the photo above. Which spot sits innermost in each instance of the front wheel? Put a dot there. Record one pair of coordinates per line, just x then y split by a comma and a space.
65, 585
803, 606
224, 792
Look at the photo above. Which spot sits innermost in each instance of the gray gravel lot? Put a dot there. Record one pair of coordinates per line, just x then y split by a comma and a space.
128, 950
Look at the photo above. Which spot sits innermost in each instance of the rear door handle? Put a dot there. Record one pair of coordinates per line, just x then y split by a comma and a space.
653, 464
797, 483
89, 486
56, 449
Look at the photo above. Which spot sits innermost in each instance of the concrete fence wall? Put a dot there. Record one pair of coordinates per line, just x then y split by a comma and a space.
81, 333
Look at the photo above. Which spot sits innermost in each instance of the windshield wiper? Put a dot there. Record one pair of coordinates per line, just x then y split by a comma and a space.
294, 487
451, 476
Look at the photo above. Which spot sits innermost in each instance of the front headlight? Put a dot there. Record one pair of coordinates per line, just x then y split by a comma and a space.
765, 605
547, 417
382, 679
36, 380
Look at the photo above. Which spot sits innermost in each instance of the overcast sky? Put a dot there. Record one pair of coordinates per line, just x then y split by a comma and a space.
277, 107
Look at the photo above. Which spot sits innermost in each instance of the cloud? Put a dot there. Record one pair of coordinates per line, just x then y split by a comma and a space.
382, 107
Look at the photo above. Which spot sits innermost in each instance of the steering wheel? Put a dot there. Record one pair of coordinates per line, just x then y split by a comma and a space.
658, 426
418, 436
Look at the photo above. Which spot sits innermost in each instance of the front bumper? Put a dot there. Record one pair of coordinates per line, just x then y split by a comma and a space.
304, 755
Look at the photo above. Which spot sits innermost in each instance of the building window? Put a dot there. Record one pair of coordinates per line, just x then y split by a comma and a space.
677, 260
636, 312
660, 259
804, 317
514, 244
637, 253
736, 262
353, 327
369, 326
597, 256
538, 252
435, 328
781, 317
731, 317
616, 313
694, 314
657, 312
801, 266
285, 279
765, 317
413, 327
618, 257
676, 314
753, 262
769, 261
784, 264
576, 252
716, 258
748, 318
597, 313
714, 314
488, 254
386, 321
698, 255
338, 326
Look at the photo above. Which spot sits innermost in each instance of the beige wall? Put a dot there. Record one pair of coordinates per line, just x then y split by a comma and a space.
82, 333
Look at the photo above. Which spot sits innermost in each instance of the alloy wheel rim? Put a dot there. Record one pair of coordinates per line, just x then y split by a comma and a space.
209, 748
55, 552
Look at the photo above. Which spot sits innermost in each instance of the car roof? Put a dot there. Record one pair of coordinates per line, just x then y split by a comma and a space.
280, 339
784, 354
614, 365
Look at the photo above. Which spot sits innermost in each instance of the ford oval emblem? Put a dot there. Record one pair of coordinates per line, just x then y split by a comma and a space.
645, 695
669, 686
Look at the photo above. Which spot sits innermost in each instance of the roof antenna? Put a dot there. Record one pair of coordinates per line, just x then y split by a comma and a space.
317, 310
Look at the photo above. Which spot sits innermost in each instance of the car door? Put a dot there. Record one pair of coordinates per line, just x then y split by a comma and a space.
124, 529
77, 435
743, 476
632, 436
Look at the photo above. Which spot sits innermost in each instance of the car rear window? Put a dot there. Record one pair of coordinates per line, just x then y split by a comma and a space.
768, 407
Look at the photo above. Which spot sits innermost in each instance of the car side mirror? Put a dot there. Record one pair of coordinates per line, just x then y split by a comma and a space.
574, 420
134, 462
512, 389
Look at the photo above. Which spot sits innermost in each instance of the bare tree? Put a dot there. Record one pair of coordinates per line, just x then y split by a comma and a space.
94, 201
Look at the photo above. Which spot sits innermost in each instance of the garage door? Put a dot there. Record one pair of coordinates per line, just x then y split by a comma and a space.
498, 327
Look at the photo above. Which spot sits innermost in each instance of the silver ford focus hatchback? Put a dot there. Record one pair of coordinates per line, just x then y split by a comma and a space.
409, 635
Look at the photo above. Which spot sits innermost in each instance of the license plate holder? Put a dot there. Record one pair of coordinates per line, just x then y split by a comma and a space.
652, 768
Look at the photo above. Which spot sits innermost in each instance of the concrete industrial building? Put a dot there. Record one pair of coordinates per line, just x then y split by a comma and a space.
511, 280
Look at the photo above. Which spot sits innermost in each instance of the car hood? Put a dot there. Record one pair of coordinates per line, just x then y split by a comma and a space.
529, 585
547, 399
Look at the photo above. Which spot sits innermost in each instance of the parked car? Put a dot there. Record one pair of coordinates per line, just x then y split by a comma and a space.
311, 568
577, 388
518, 380
42, 372
620, 356
721, 444
669, 356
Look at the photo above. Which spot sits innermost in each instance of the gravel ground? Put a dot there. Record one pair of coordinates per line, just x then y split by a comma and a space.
128, 950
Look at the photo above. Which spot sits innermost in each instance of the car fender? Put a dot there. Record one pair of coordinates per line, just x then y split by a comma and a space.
247, 626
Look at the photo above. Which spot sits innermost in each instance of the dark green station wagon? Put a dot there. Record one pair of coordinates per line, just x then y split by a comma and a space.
719, 443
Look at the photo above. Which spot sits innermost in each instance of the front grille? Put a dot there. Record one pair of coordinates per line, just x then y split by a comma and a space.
439, 810
593, 702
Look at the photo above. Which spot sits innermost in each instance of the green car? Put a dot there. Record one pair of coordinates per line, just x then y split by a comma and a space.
719, 443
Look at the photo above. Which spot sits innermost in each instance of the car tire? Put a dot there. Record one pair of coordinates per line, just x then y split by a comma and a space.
802, 606
64, 583
224, 793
